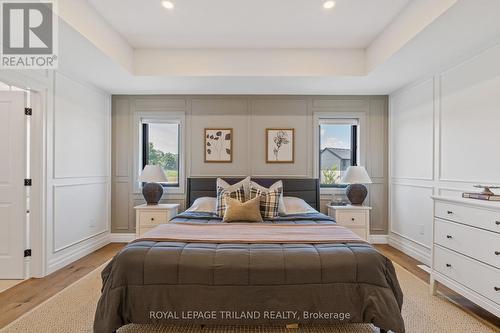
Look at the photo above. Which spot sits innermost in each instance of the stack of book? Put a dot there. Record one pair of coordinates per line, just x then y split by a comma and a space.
481, 196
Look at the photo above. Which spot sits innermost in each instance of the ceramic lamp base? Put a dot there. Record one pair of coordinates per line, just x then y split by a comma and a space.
356, 193
152, 192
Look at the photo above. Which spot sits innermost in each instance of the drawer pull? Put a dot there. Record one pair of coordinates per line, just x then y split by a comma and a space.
449, 236
497, 253
152, 219
448, 265
353, 219
449, 212
497, 288
497, 222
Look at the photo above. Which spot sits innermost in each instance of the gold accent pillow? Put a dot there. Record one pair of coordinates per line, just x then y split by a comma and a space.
237, 211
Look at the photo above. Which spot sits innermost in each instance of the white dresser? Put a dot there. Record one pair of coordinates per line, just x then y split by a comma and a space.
466, 249
355, 218
149, 216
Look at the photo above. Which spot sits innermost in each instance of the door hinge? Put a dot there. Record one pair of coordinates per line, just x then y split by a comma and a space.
28, 111
27, 253
27, 182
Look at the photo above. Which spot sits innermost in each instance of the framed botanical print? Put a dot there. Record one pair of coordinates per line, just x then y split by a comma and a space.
218, 145
280, 145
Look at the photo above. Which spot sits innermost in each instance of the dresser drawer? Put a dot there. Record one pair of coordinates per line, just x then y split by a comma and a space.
477, 276
152, 218
351, 218
477, 217
476, 243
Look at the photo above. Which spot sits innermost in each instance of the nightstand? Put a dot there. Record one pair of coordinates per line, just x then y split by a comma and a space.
149, 216
355, 218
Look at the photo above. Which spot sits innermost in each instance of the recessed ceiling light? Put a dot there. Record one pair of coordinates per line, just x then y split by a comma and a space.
167, 4
328, 4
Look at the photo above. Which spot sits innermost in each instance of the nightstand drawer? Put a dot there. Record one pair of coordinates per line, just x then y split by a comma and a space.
351, 218
144, 229
361, 232
152, 218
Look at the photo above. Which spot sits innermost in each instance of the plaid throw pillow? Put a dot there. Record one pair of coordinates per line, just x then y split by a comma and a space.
269, 201
222, 194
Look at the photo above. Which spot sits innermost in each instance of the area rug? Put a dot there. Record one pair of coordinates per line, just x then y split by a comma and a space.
72, 310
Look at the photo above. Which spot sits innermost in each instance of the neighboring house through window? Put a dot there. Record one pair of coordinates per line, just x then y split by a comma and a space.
338, 149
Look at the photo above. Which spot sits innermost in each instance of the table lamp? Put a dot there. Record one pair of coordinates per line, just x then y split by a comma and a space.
152, 191
356, 176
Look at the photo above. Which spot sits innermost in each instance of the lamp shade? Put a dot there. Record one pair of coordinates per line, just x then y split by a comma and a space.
153, 174
356, 175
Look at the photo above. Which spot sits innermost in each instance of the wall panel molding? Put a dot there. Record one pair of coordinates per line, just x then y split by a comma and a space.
249, 116
465, 124
79, 168
69, 219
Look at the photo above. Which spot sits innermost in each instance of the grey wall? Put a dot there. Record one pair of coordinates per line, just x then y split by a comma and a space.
249, 116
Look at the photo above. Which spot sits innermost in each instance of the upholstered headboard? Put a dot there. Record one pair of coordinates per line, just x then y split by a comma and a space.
304, 188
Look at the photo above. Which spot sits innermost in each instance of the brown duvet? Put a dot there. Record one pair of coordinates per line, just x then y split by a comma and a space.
251, 282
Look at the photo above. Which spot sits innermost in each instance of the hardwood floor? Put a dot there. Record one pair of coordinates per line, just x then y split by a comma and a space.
25, 296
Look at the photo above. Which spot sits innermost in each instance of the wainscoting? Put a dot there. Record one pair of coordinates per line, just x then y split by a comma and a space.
443, 137
78, 171
249, 116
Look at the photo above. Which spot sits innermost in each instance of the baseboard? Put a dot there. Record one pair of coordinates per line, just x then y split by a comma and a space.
121, 237
378, 239
78, 251
410, 248
425, 268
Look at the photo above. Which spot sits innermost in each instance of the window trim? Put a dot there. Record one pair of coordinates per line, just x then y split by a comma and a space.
140, 117
338, 117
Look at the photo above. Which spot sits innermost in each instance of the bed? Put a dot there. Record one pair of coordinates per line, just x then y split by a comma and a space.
299, 269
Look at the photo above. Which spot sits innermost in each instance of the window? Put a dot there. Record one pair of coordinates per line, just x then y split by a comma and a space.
338, 149
161, 146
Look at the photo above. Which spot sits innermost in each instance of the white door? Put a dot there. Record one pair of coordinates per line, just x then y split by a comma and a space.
12, 192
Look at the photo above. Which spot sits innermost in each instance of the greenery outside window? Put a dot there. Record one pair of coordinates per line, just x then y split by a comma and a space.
338, 149
161, 146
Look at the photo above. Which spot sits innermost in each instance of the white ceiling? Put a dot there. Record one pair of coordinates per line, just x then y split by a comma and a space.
249, 24
427, 37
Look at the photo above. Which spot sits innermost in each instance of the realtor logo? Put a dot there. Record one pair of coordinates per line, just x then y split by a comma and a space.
28, 35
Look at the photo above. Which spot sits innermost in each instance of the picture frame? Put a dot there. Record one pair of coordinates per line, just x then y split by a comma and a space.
280, 145
218, 145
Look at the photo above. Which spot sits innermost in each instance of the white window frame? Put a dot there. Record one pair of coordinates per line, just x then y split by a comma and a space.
166, 117
334, 117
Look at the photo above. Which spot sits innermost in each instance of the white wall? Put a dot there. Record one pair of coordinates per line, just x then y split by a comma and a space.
443, 136
78, 171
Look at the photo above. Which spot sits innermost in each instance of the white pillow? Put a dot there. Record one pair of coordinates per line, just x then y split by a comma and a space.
275, 186
245, 183
203, 204
295, 205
